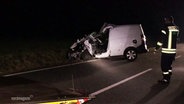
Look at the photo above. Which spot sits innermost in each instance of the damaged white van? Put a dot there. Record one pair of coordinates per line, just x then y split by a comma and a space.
112, 40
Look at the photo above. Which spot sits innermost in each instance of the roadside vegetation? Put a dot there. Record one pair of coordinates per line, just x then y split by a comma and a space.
23, 55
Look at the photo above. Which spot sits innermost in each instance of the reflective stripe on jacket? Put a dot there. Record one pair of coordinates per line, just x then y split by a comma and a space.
169, 39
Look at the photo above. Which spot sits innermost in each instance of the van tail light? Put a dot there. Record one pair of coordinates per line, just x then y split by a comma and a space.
143, 37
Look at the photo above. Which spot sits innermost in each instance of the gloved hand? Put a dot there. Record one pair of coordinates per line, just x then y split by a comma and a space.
156, 49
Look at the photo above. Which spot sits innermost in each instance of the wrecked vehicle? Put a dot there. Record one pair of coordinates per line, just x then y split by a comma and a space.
112, 40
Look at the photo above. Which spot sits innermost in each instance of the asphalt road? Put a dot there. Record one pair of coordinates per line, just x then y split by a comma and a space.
107, 81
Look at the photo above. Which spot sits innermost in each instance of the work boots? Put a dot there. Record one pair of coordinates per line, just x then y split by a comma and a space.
165, 80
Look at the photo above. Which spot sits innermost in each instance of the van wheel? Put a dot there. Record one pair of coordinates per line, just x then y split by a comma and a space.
130, 54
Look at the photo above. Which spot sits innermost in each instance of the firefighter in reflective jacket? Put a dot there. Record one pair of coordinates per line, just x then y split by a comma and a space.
168, 43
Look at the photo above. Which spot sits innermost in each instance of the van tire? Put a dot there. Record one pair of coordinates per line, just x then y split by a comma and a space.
130, 54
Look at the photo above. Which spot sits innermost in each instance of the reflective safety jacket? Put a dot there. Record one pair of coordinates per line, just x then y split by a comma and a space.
169, 39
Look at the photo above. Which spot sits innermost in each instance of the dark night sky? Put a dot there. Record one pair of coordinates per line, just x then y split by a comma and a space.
61, 18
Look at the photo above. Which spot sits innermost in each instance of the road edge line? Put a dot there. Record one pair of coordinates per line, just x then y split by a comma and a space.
48, 68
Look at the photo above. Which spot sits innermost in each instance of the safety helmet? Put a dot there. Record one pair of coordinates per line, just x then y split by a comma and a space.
169, 20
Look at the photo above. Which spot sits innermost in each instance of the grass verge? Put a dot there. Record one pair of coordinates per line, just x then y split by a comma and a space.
18, 56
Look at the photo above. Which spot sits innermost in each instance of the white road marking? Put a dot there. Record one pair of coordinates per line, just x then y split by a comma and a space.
118, 83
178, 56
60, 66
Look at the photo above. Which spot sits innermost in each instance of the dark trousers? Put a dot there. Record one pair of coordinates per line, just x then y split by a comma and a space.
166, 63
